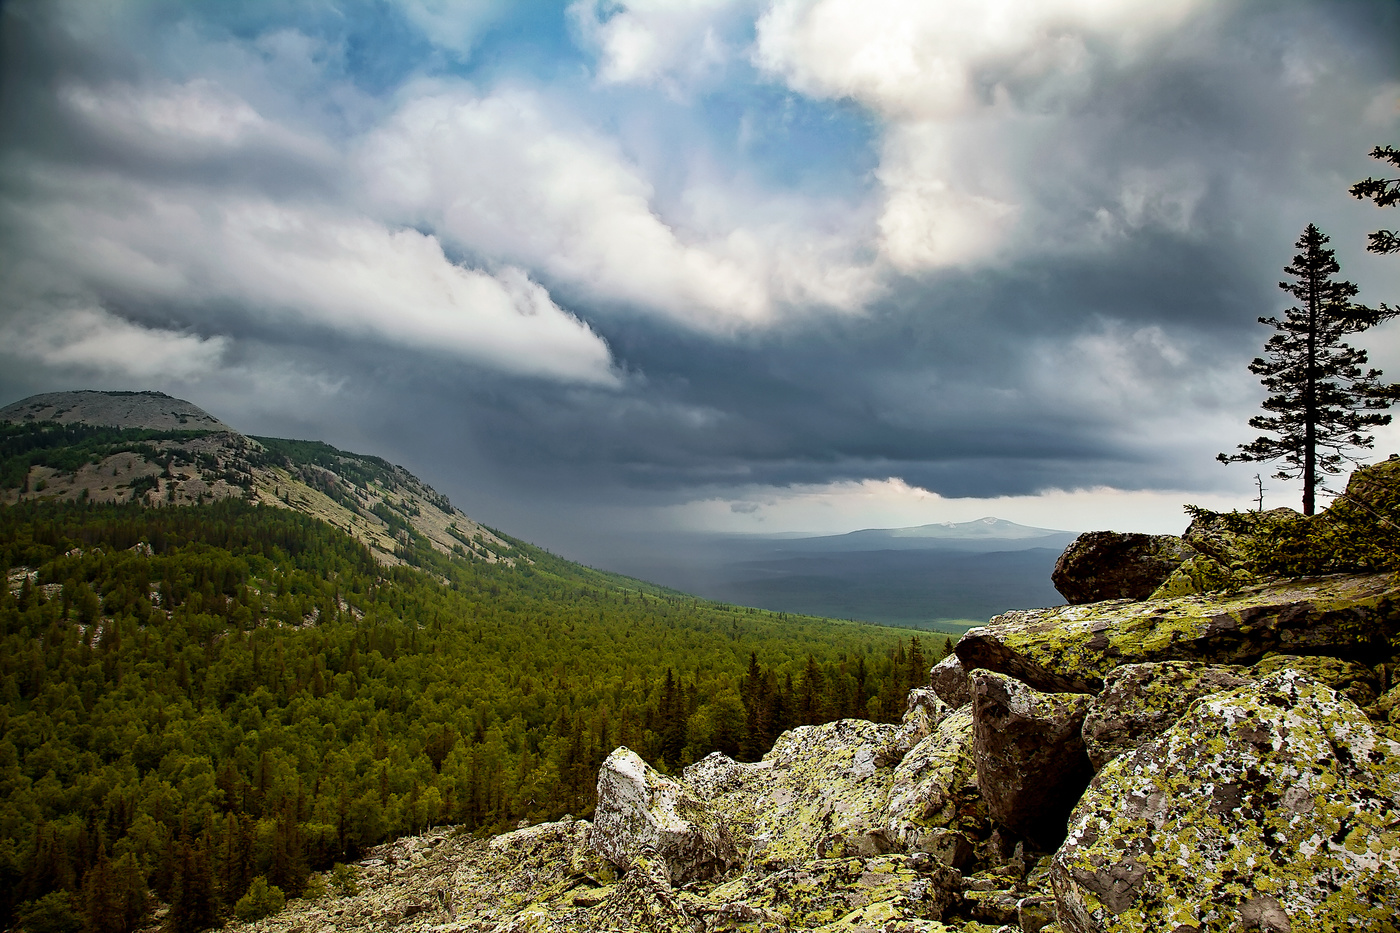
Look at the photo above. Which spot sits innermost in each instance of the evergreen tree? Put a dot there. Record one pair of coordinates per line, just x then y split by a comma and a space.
1385, 192
1321, 397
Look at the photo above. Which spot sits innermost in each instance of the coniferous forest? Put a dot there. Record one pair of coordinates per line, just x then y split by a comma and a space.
198, 697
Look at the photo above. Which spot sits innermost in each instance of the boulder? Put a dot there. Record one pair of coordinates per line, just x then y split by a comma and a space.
934, 803
922, 714
1228, 537
1357, 682
817, 793
1201, 574
643, 901
949, 680
1101, 565
1271, 807
641, 812
1072, 648
1139, 702
1031, 764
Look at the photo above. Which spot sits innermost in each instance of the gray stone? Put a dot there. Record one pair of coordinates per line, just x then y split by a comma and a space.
1072, 648
1141, 701
1275, 806
1031, 763
934, 803
922, 714
1101, 565
641, 812
949, 680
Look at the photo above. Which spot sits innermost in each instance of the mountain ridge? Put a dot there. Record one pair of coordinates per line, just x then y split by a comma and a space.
170, 451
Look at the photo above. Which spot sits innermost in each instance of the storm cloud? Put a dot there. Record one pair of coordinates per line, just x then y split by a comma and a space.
594, 268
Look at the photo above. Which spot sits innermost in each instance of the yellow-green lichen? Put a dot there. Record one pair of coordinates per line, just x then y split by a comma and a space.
1073, 647
1295, 803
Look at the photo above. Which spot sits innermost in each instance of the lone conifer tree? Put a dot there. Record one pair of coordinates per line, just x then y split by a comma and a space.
1321, 397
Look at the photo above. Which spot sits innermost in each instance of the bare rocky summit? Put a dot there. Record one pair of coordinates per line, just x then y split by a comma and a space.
153, 410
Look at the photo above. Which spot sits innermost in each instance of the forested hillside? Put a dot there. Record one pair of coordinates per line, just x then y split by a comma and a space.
195, 697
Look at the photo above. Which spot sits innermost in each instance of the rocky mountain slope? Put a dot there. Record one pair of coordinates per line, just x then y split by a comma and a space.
164, 450
1220, 752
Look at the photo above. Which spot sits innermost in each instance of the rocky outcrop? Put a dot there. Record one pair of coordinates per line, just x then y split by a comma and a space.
1246, 738
1271, 807
1103, 565
1072, 648
949, 680
922, 713
1139, 702
1031, 764
817, 794
644, 815
934, 803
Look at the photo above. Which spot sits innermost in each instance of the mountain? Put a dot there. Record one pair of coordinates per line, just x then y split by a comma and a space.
149, 447
984, 534
150, 410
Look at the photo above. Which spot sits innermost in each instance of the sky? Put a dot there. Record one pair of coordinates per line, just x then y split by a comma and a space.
596, 269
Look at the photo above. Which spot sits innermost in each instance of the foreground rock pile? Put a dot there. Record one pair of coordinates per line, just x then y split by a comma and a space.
1221, 756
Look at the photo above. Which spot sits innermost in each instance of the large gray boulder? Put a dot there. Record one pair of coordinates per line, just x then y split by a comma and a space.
1031, 763
934, 803
1072, 648
642, 815
819, 792
1101, 565
949, 680
1139, 702
1271, 807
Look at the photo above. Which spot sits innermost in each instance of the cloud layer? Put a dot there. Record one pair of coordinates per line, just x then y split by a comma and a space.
649, 262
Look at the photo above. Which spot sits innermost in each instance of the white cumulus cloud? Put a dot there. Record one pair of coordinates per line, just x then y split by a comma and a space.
954, 82
495, 175
92, 340
672, 42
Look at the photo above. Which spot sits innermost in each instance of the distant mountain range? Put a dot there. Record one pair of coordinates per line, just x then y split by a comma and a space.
943, 576
984, 534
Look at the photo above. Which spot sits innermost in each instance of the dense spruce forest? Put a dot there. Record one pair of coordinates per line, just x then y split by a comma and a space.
198, 697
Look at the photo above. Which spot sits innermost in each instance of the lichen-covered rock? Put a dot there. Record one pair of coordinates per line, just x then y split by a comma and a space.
1071, 648
644, 902
1275, 806
1101, 565
934, 803
1200, 574
1357, 682
1386, 709
1227, 537
641, 811
1139, 702
845, 893
949, 680
817, 793
922, 714
1031, 764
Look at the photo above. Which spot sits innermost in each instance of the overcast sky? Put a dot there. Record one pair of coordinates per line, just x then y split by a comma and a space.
751, 265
